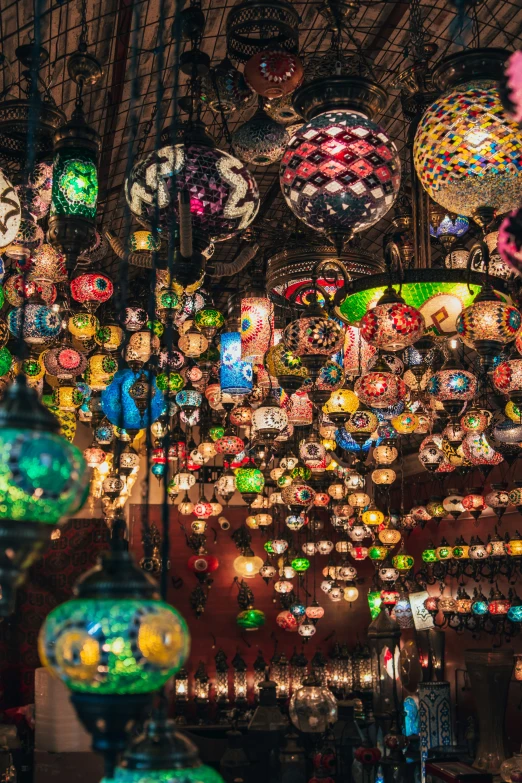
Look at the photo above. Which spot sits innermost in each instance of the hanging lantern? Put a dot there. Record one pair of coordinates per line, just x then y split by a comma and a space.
273, 73
287, 368
488, 324
44, 479
249, 482
453, 505
474, 503
223, 194
319, 185
464, 137
507, 379
452, 386
235, 375
260, 141
75, 186
113, 645
269, 420
392, 325
340, 405
300, 410
92, 289
380, 389
313, 338
372, 516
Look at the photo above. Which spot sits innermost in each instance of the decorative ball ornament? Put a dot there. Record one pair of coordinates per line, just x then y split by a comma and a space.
260, 141
467, 153
273, 73
223, 194
10, 212
340, 173
392, 325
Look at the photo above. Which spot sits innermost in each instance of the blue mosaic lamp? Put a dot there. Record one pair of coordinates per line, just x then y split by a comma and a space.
120, 408
235, 375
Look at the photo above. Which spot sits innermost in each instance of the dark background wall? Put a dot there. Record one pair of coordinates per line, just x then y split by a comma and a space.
51, 579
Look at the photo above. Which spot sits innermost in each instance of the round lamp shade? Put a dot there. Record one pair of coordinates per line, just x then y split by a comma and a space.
108, 646
120, 408
224, 197
340, 172
467, 153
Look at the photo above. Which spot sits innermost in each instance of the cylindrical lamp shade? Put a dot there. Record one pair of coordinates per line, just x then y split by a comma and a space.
257, 326
436, 728
235, 375
75, 183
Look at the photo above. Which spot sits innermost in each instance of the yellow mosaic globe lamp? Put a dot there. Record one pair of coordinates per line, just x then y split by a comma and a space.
467, 152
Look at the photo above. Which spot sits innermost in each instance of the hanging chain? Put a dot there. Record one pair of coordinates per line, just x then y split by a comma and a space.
417, 32
82, 43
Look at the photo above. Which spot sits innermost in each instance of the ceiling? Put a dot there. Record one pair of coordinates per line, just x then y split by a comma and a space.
140, 86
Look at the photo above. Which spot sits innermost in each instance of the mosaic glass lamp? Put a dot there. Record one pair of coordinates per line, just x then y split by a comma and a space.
235, 375
467, 153
340, 172
507, 379
392, 325
122, 406
113, 645
260, 141
43, 478
314, 338
224, 196
74, 194
488, 324
452, 386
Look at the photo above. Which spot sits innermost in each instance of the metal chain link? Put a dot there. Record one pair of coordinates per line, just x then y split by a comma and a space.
417, 32
82, 43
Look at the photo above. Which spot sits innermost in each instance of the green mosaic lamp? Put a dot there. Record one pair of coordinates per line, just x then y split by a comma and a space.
43, 478
162, 755
114, 644
74, 194
249, 482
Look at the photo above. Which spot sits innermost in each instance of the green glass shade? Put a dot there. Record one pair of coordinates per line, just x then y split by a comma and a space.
374, 602
444, 552
250, 619
249, 480
42, 476
377, 552
216, 433
429, 556
156, 327
403, 563
167, 300
301, 472
6, 360
300, 564
201, 774
114, 646
209, 319
267, 546
171, 382
414, 294
75, 183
